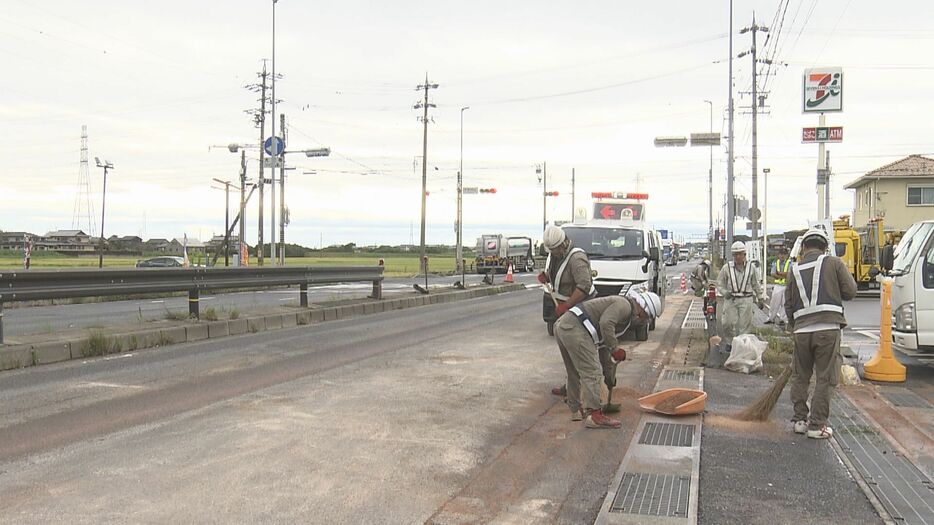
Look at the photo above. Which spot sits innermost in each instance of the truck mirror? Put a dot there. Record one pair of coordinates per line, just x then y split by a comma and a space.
653, 254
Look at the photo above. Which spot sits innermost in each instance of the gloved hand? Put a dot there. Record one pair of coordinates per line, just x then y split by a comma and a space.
761, 304
543, 278
561, 309
619, 354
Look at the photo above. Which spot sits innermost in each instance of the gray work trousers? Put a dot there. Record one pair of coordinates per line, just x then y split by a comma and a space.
817, 353
582, 362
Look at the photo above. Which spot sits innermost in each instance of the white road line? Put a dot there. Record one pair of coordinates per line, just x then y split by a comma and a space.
288, 299
868, 334
156, 302
108, 385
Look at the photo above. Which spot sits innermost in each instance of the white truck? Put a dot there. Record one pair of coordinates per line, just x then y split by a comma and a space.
912, 274
623, 251
495, 251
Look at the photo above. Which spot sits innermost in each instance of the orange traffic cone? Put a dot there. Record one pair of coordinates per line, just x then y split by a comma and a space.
508, 278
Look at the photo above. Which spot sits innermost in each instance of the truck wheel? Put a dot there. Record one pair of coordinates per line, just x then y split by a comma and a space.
642, 333
551, 329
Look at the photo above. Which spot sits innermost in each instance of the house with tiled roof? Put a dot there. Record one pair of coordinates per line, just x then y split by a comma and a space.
902, 193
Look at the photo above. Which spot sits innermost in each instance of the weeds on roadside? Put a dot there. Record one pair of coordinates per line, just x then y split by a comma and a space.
99, 343
234, 314
175, 316
210, 314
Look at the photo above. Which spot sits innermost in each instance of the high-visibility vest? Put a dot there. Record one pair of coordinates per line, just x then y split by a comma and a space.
739, 288
778, 268
810, 301
557, 280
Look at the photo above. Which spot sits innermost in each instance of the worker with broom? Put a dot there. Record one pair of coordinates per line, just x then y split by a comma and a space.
569, 281
817, 287
582, 331
739, 285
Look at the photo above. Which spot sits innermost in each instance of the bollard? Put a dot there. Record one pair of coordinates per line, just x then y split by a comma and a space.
426, 274
193, 310
883, 366
303, 295
1, 323
378, 285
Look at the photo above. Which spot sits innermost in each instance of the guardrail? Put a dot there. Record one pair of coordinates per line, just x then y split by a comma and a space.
68, 284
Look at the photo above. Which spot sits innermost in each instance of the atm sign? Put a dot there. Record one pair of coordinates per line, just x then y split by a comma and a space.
833, 134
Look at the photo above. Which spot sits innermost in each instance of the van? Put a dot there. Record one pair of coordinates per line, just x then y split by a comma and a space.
912, 275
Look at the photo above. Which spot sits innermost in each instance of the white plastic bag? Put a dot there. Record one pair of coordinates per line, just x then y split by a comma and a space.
848, 375
746, 354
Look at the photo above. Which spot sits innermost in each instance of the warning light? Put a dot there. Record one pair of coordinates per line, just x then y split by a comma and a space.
601, 195
427, 193
637, 195
551, 194
487, 190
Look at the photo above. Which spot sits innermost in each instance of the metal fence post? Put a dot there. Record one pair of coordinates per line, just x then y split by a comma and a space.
193, 299
303, 294
378, 285
1, 322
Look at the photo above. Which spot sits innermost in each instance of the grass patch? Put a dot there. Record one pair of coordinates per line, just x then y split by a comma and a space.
778, 354
98, 343
210, 314
234, 314
175, 316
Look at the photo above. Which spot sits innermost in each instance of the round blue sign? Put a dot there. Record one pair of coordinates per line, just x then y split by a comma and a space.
274, 147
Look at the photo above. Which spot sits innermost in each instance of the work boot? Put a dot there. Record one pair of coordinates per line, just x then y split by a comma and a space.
823, 432
560, 390
596, 419
800, 426
577, 415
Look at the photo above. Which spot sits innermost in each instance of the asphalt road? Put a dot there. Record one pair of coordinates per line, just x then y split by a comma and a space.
437, 413
20, 321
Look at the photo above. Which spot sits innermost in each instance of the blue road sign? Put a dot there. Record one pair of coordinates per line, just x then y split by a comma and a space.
272, 149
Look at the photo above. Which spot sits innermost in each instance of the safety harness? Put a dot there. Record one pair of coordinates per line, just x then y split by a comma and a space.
588, 324
739, 289
810, 300
557, 279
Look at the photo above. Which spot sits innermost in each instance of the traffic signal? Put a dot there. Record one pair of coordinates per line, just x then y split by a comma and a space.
487, 190
551, 194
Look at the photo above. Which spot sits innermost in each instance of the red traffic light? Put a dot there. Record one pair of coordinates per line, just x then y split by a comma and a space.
487, 190
551, 194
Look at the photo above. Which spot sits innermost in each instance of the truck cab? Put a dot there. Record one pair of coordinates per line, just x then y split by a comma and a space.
623, 251
912, 275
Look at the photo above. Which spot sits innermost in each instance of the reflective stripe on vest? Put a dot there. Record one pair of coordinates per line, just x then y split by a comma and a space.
809, 301
744, 280
567, 258
588, 324
778, 268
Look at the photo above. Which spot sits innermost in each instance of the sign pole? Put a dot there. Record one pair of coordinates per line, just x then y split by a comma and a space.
822, 213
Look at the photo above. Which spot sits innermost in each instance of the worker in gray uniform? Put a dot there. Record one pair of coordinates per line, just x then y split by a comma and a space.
817, 286
568, 273
582, 331
739, 285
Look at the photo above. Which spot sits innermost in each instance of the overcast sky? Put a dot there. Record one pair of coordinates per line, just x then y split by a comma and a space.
584, 85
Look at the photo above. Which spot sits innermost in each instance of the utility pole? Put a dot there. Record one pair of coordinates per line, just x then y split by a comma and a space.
272, 179
424, 105
226, 184
241, 237
827, 213
459, 251
282, 195
730, 198
755, 105
260, 120
573, 187
543, 170
710, 235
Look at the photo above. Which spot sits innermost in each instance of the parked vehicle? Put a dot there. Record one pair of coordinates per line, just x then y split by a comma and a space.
161, 262
494, 251
912, 274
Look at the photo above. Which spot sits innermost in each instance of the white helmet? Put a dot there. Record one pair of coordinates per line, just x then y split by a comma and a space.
738, 247
648, 301
815, 232
553, 237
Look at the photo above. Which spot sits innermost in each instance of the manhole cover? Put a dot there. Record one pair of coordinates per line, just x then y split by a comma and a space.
667, 434
680, 375
653, 495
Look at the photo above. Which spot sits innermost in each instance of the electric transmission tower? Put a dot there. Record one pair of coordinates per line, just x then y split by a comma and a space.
83, 213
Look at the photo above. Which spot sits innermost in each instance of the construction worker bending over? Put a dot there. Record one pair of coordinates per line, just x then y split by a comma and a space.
582, 331
567, 270
817, 287
739, 285
699, 278
780, 270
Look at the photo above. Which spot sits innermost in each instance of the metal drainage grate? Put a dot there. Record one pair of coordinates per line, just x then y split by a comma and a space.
906, 399
653, 495
695, 317
667, 434
681, 375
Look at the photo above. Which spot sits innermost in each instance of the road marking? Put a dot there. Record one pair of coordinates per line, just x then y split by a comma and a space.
156, 302
287, 299
109, 385
868, 334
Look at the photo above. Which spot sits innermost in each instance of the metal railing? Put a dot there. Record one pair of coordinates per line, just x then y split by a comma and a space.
35, 285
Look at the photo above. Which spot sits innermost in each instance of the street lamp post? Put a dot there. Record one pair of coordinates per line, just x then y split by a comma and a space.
710, 189
459, 252
543, 171
107, 165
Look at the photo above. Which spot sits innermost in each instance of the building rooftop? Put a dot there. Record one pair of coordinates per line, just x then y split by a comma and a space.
911, 166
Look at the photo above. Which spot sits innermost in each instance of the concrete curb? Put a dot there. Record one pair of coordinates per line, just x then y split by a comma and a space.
100, 343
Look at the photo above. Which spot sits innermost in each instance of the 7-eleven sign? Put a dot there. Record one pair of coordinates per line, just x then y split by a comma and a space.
823, 90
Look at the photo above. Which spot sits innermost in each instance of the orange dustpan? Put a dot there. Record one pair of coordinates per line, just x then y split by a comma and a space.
675, 401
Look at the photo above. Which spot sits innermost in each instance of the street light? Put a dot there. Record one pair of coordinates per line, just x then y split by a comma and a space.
459, 252
107, 165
